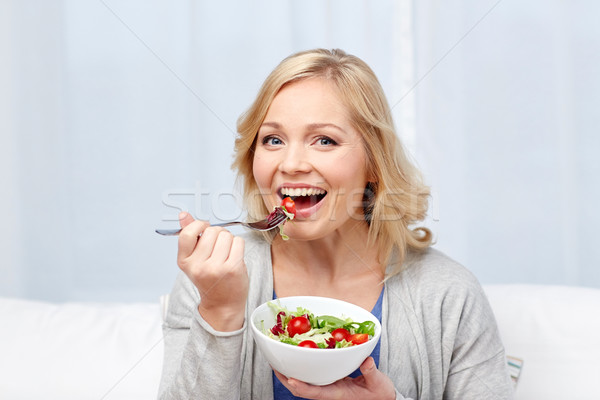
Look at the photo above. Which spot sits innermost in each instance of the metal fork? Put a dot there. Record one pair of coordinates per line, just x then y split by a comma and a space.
274, 219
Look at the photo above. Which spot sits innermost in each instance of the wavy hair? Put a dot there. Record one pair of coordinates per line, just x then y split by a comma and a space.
397, 199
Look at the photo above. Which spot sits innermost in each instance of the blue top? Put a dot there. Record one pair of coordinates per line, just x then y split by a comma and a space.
280, 392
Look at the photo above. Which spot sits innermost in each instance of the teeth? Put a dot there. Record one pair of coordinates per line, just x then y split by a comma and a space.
295, 192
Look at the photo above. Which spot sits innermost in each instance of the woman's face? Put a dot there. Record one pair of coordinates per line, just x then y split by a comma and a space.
307, 149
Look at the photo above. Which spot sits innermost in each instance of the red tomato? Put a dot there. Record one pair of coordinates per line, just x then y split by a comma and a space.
340, 334
298, 325
289, 205
358, 338
308, 343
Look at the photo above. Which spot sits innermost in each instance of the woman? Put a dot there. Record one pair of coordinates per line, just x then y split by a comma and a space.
320, 131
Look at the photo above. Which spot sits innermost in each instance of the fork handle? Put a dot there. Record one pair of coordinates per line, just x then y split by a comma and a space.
168, 232
175, 232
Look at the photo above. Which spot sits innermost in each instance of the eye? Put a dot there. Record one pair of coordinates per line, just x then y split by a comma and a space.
325, 141
272, 141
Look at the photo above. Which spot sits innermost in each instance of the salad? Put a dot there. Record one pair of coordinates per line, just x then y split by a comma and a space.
302, 328
288, 207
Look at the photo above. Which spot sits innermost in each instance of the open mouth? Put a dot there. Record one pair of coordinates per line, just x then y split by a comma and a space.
303, 197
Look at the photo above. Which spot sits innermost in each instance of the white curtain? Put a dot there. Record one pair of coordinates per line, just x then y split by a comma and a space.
508, 121
115, 114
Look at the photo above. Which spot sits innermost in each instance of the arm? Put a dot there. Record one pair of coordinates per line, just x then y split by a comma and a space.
204, 328
478, 367
199, 362
488, 380
443, 342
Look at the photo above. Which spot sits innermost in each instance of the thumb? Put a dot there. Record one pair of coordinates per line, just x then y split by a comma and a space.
370, 372
185, 219
377, 381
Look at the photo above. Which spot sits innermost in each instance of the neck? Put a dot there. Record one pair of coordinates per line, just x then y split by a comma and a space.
341, 266
341, 254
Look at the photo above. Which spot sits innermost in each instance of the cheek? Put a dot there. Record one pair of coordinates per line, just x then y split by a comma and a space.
349, 172
262, 171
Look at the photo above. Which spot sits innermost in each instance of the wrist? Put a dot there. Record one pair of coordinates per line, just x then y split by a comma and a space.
223, 318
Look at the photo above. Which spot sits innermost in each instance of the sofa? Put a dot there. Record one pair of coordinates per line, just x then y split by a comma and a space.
114, 351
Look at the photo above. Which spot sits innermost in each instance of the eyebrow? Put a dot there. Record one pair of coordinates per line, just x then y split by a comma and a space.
276, 125
271, 124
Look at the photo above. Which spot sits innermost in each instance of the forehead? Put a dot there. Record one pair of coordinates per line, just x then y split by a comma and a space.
311, 98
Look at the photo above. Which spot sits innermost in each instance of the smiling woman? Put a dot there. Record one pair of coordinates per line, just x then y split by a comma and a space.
320, 132
344, 109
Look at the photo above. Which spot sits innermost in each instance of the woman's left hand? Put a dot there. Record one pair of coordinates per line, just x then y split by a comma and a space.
372, 384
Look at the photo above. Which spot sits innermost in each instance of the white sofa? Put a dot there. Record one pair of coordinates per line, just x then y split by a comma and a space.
114, 351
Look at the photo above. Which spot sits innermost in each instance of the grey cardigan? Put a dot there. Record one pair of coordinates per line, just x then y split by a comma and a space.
439, 338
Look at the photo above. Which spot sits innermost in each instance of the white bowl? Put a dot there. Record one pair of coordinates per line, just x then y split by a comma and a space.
314, 366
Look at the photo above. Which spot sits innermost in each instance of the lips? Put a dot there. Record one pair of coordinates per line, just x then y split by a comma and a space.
306, 198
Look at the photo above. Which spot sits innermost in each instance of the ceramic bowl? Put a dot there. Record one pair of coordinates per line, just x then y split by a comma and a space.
314, 366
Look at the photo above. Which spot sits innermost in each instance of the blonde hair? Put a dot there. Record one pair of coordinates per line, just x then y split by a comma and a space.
397, 198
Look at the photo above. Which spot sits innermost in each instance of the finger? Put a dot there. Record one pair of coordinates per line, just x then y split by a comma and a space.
236, 254
369, 371
334, 391
285, 381
188, 238
368, 366
282, 378
375, 379
185, 219
207, 243
298, 388
222, 247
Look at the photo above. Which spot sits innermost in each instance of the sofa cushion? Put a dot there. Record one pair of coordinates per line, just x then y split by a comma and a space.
114, 351
79, 350
555, 330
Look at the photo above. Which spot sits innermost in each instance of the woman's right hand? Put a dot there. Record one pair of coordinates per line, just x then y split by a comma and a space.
213, 259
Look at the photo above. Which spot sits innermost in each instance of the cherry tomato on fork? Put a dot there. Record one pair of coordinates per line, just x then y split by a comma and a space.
289, 205
298, 325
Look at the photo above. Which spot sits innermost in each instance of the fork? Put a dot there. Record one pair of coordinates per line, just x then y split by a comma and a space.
272, 221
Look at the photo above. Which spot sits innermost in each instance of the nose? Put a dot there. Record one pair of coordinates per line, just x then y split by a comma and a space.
295, 160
